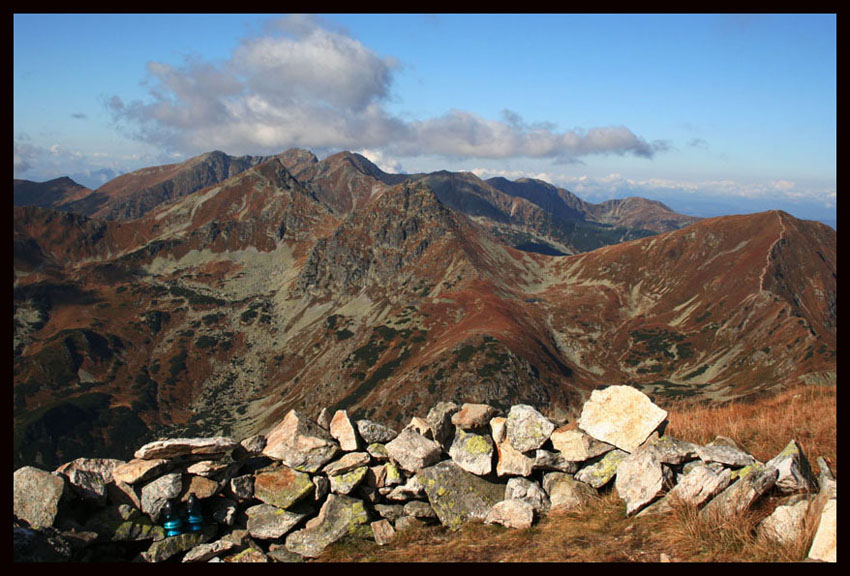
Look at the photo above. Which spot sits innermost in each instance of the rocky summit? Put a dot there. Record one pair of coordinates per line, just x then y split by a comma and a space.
213, 297
287, 496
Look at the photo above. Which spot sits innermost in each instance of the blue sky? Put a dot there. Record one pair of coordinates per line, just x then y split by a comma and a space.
710, 114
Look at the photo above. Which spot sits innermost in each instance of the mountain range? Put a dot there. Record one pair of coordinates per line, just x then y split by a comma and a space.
214, 295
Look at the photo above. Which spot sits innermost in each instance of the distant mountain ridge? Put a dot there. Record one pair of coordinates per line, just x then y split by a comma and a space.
299, 283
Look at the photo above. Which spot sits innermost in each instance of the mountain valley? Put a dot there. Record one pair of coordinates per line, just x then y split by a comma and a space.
212, 296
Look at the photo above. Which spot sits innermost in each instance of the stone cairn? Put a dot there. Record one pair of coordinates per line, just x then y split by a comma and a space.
286, 495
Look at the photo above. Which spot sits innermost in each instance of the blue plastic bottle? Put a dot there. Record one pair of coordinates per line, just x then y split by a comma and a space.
194, 517
172, 523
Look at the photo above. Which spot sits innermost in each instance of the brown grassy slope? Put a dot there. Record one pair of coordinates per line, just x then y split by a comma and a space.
602, 533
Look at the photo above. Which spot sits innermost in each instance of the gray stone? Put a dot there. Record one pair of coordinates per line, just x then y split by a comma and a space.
413, 488
419, 509
340, 516
641, 478
156, 493
547, 460
456, 495
752, 483
565, 492
374, 432
391, 512
602, 469
86, 484
526, 428
516, 514
242, 487
175, 447
673, 451
622, 416
206, 552
695, 488
728, 455
300, 443
439, 419
253, 445
529, 491
268, 522
795, 472
472, 452
413, 451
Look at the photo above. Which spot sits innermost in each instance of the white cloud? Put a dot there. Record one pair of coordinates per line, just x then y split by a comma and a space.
305, 85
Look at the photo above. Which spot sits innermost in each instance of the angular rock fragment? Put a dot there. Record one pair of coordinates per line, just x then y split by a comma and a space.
413, 451
300, 443
456, 495
526, 428
517, 514
622, 416
472, 452
340, 516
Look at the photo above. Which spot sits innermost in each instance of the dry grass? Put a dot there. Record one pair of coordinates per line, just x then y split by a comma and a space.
601, 532
763, 427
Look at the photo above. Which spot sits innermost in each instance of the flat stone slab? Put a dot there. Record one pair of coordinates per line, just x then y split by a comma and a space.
457, 495
175, 447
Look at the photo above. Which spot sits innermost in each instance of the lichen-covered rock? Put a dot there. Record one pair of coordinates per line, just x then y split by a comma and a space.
300, 443
548, 460
673, 451
439, 419
340, 516
600, 470
419, 509
413, 451
795, 472
36, 495
517, 514
268, 522
346, 482
526, 428
205, 552
622, 416
162, 550
175, 447
282, 486
472, 452
123, 524
456, 495
752, 483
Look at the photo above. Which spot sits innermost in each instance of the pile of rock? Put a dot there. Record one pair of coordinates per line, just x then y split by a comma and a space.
287, 495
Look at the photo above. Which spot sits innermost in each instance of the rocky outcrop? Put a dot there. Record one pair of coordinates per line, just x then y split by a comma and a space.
288, 495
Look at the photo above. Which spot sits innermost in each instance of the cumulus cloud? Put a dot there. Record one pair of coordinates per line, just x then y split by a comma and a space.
302, 84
